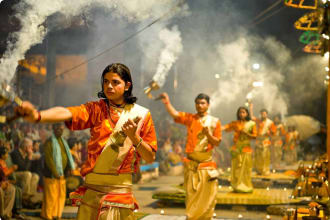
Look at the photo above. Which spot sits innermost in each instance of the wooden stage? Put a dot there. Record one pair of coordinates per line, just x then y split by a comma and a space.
274, 189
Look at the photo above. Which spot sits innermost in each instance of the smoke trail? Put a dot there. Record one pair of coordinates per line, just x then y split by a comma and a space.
33, 14
173, 48
237, 58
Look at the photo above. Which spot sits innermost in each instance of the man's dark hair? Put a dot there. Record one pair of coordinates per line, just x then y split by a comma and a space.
263, 110
247, 118
203, 96
72, 141
125, 74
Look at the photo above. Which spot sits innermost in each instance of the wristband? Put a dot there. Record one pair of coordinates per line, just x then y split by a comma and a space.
140, 141
39, 117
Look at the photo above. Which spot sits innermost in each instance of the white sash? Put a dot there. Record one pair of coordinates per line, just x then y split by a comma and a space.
117, 146
267, 124
248, 126
210, 122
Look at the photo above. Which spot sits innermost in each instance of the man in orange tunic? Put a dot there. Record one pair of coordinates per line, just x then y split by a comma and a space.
121, 133
277, 142
290, 146
200, 173
265, 128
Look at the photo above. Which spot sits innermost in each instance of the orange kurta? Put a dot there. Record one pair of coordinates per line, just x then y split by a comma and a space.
237, 127
96, 116
194, 127
7, 171
260, 126
265, 129
277, 135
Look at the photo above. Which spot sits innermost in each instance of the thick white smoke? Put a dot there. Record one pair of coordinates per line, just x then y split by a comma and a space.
281, 73
238, 58
32, 15
173, 47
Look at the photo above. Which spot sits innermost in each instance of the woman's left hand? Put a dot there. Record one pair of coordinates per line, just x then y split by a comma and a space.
129, 128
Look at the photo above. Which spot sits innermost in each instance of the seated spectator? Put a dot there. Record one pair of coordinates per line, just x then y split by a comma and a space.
15, 134
161, 158
3, 132
44, 134
7, 190
8, 171
22, 157
75, 149
37, 163
83, 151
177, 147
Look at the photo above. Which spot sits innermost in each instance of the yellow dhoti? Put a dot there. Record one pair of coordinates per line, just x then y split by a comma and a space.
54, 198
262, 156
290, 155
201, 190
241, 172
106, 197
89, 208
277, 153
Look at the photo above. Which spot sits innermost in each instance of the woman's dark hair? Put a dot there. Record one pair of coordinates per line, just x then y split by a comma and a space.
247, 118
125, 74
3, 151
203, 96
72, 141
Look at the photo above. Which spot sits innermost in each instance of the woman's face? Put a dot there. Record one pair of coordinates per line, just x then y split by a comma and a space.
114, 87
242, 114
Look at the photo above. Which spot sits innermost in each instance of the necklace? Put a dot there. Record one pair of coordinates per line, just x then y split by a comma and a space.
117, 109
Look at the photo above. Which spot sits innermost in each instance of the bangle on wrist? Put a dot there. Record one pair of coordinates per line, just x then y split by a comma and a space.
140, 141
39, 117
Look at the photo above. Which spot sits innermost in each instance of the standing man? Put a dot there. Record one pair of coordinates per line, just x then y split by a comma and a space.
265, 128
277, 143
58, 161
200, 173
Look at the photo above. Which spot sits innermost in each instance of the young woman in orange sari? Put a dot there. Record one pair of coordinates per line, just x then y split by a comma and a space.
122, 133
241, 152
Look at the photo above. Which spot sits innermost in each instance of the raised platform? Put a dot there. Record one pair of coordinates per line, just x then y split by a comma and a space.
274, 180
225, 196
178, 217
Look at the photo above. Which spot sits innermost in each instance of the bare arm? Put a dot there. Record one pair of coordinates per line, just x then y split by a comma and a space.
169, 107
145, 151
251, 112
56, 114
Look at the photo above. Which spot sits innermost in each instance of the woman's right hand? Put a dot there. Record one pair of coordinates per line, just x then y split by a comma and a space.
165, 98
27, 111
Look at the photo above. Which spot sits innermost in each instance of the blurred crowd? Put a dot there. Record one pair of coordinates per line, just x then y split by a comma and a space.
23, 164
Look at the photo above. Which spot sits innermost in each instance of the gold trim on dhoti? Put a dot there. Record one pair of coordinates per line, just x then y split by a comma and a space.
108, 179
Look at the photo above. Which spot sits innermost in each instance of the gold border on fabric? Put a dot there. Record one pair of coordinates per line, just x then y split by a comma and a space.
108, 179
